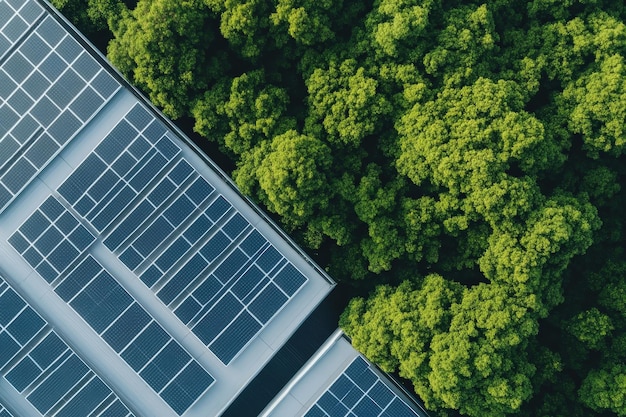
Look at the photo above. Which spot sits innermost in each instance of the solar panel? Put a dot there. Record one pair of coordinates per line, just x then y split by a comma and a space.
130, 331
358, 391
38, 364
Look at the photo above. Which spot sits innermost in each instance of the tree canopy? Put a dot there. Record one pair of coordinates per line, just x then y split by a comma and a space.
458, 164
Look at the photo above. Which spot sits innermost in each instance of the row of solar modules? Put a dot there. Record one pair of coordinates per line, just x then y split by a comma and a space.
41, 366
186, 242
49, 88
102, 302
359, 392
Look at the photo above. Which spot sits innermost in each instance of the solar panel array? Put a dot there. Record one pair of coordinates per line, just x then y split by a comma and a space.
359, 392
166, 223
53, 241
38, 364
50, 87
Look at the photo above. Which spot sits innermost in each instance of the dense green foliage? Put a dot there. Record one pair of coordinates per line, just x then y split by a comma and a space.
465, 156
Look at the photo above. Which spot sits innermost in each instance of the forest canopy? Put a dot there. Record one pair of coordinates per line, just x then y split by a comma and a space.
463, 160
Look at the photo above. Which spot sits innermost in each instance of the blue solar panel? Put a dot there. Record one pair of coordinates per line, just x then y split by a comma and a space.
381, 394
152, 236
65, 88
197, 229
63, 256
193, 380
86, 400
187, 310
86, 104
105, 84
34, 226
52, 66
219, 207
151, 340
253, 243
17, 67
51, 31
113, 208
20, 101
247, 282
207, 290
45, 111
42, 150
289, 279
182, 278
176, 251
167, 147
151, 276
125, 162
126, 327
18, 175
139, 147
32, 256
116, 409
51, 390
268, 260
24, 129
48, 240
162, 192
23, 374
7, 87
154, 131
82, 178
148, 172
267, 303
228, 269
8, 348
235, 226
18, 242
154, 377
10, 305
34, 48
139, 117
8, 147
86, 66
15, 28
131, 258
199, 191
48, 350
235, 337
65, 127
47, 272
224, 311
215, 246
69, 49
179, 210
25, 326
36, 84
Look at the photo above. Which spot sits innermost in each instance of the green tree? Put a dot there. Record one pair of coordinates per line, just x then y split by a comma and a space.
605, 389
162, 46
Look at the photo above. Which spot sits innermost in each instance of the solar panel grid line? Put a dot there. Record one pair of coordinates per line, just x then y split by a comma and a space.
156, 253
30, 12
196, 283
98, 291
